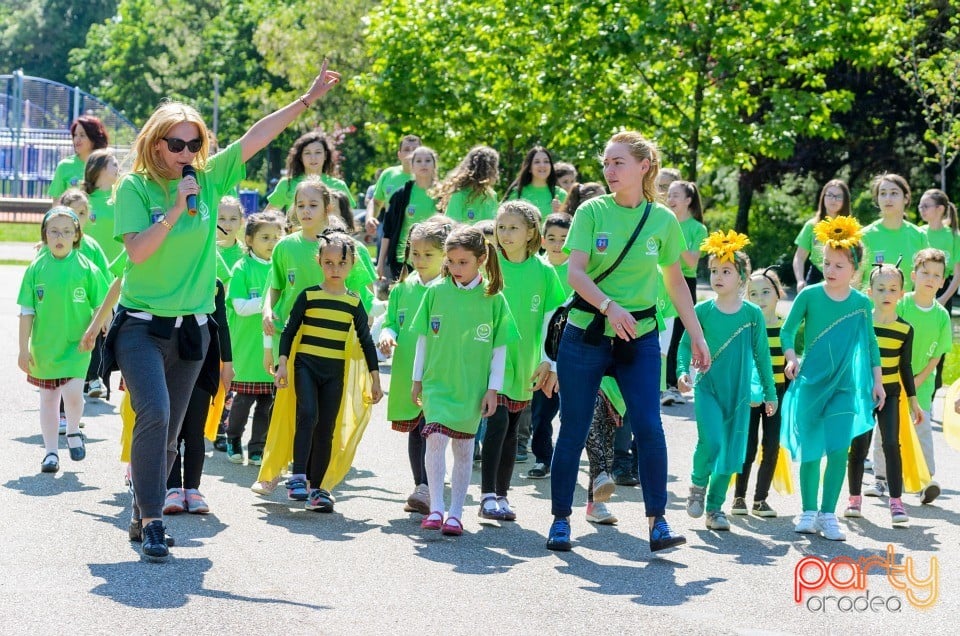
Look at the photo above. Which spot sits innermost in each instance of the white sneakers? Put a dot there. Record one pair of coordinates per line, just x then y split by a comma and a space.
824, 523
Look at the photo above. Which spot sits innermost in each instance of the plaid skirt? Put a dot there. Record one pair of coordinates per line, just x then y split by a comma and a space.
513, 406
252, 388
436, 427
405, 426
47, 384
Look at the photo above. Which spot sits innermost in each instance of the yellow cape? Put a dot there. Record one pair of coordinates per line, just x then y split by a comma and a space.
350, 425
951, 419
782, 479
129, 418
915, 472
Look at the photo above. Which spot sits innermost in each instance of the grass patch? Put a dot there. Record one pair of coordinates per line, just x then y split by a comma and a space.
19, 232
13, 261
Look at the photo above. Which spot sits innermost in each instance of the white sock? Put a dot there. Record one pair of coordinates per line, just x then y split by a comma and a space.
435, 461
460, 479
50, 418
72, 393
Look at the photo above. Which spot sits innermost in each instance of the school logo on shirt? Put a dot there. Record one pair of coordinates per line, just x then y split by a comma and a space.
390, 190
411, 210
471, 214
74, 181
40, 292
602, 242
401, 316
79, 295
291, 276
878, 257
435, 324
204, 210
483, 333
535, 303
652, 248
254, 293
93, 217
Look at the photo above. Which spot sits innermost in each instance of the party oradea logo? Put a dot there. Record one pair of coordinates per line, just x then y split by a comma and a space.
814, 580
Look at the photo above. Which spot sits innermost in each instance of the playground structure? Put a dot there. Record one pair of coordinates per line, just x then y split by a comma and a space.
35, 118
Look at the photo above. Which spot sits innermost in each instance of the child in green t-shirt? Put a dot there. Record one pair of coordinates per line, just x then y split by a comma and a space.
425, 248
467, 195
60, 292
892, 238
229, 224
533, 292
536, 182
463, 327
932, 339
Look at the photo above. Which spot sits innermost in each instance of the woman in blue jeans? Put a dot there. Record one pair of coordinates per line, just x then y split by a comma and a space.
612, 330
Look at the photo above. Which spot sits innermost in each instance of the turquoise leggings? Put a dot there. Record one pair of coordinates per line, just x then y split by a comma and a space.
833, 476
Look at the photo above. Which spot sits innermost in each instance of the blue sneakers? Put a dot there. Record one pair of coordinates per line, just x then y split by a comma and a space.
559, 537
662, 537
297, 488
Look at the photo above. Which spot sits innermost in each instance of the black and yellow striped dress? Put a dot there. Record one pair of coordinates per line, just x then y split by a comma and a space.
895, 340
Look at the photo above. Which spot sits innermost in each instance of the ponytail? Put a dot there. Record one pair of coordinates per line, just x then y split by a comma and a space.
494, 274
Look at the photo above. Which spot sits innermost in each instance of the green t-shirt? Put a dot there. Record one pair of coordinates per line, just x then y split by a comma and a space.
541, 197
611, 389
67, 174
282, 195
246, 332
180, 277
946, 241
693, 233
664, 303
391, 180
465, 206
232, 255
420, 208
601, 229
101, 224
462, 328
883, 245
806, 240
932, 337
532, 291
64, 294
405, 299
294, 267
561, 271
119, 264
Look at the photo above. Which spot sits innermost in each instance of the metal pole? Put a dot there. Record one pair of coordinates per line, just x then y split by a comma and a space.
76, 103
17, 127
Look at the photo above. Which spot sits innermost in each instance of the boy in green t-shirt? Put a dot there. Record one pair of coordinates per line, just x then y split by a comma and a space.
933, 338
391, 180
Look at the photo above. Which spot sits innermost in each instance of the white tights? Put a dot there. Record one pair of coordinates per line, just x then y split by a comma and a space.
72, 393
460, 478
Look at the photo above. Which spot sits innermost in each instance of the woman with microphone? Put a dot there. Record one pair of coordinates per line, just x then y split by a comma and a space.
160, 335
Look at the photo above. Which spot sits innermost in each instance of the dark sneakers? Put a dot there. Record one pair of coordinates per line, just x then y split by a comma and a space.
662, 537
154, 546
135, 532
625, 478
559, 537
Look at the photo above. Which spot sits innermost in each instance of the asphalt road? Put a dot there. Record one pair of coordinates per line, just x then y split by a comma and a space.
264, 566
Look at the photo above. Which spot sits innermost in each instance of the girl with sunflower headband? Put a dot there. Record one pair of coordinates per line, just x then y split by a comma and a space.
736, 332
831, 397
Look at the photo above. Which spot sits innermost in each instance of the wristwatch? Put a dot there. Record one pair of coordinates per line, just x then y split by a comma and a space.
164, 222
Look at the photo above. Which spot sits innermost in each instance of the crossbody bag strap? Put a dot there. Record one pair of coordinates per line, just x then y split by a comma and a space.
626, 248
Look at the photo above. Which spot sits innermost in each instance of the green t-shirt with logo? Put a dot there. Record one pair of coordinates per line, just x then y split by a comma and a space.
540, 197
421, 207
246, 332
932, 337
462, 328
808, 241
466, 206
391, 180
561, 271
946, 241
601, 229
64, 294
294, 267
180, 276
282, 195
101, 224
232, 255
67, 174
883, 245
693, 233
405, 299
532, 291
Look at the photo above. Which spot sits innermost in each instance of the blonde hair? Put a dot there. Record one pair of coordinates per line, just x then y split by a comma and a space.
75, 195
642, 148
166, 116
312, 182
531, 217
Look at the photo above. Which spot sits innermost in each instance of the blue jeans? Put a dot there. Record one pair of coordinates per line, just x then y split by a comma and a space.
580, 367
543, 410
624, 450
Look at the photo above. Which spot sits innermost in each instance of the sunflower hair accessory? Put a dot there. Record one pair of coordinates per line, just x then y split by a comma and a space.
724, 246
840, 232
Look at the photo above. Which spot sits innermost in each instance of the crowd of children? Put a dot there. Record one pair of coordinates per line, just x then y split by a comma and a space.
474, 284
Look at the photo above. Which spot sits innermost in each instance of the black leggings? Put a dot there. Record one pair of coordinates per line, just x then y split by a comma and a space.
770, 445
676, 335
240, 411
189, 461
93, 370
498, 454
318, 402
938, 379
888, 421
416, 452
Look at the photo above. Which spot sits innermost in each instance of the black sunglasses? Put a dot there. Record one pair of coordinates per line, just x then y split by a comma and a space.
177, 145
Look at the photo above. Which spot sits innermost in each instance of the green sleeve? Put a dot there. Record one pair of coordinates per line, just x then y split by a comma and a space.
281, 195
561, 194
226, 168
580, 236
788, 332
59, 183
805, 237
119, 264
26, 297
945, 341
238, 287
379, 191
421, 320
505, 327
276, 277
683, 354
761, 356
132, 207
391, 321
672, 244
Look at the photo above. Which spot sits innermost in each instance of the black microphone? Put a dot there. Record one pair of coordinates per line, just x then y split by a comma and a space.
189, 171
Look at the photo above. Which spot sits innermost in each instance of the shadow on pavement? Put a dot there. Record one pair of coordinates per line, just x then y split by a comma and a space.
166, 585
291, 516
46, 485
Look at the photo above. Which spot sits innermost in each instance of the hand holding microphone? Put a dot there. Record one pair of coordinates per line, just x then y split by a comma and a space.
190, 171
